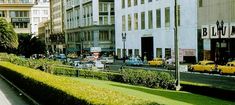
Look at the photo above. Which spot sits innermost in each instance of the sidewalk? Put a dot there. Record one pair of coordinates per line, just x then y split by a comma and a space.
9, 96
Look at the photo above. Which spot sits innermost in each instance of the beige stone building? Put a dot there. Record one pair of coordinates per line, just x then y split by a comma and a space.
18, 13
57, 35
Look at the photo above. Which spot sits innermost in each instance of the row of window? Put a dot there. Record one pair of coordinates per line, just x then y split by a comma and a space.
39, 12
14, 14
135, 2
15, 1
88, 36
136, 52
150, 16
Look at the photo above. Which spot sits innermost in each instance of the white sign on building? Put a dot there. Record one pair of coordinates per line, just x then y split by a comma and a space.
225, 33
232, 30
211, 31
205, 32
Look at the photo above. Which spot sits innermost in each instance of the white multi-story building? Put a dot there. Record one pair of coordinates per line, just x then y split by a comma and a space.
149, 28
89, 23
39, 12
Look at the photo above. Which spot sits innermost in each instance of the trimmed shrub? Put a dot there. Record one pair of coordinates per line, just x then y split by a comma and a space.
152, 79
58, 90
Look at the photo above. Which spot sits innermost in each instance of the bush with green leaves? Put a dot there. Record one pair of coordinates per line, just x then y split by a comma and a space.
151, 79
60, 90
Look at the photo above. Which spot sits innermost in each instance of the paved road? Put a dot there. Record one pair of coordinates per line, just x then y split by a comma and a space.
10, 96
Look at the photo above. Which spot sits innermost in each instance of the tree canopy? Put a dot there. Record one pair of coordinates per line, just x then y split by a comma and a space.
8, 37
30, 45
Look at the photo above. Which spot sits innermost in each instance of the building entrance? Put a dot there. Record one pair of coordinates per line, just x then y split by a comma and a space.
223, 50
147, 47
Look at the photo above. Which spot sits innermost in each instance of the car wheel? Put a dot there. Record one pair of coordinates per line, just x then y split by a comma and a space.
220, 72
192, 70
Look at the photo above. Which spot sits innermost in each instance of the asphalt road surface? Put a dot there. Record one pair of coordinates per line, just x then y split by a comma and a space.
10, 96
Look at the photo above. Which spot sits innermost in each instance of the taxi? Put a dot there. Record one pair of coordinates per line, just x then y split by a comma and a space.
203, 66
229, 68
156, 62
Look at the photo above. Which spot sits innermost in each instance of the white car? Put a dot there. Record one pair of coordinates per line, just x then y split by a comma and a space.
99, 65
79, 64
107, 60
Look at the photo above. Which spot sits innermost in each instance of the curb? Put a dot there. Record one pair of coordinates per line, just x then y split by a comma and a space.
23, 93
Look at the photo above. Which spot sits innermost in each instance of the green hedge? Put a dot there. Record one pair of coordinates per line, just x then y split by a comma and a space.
152, 79
58, 90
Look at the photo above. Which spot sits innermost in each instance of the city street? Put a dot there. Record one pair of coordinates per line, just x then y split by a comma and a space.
10, 96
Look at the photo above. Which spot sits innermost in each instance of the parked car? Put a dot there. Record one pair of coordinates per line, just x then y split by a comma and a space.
203, 66
99, 65
79, 65
156, 62
107, 60
229, 68
134, 61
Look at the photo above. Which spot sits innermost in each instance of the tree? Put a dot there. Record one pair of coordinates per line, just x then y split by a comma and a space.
30, 45
8, 37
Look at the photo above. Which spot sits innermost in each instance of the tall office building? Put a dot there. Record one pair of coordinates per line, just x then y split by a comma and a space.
57, 35
90, 23
149, 28
39, 12
18, 12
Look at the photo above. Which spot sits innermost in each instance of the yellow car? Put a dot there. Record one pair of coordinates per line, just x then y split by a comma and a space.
229, 68
203, 66
156, 62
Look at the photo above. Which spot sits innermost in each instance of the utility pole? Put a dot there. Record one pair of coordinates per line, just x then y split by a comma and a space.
177, 73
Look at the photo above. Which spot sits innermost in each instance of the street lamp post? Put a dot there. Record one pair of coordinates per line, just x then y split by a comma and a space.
220, 27
176, 40
81, 46
124, 46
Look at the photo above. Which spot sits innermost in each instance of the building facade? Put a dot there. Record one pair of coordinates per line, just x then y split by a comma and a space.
217, 41
39, 12
89, 23
149, 28
18, 12
57, 35
44, 31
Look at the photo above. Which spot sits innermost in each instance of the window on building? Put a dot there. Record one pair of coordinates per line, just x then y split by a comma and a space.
178, 15
142, 20
129, 3
112, 19
129, 22
105, 20
200, 3
142, 1
123, 3
123, 23
135, 2
150, 0
167, 52
101, 21
137, 54
136, 21
159, 52
2, 13
45, 12
158, 16
103, 35
150, 19
105, 7
167, 17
